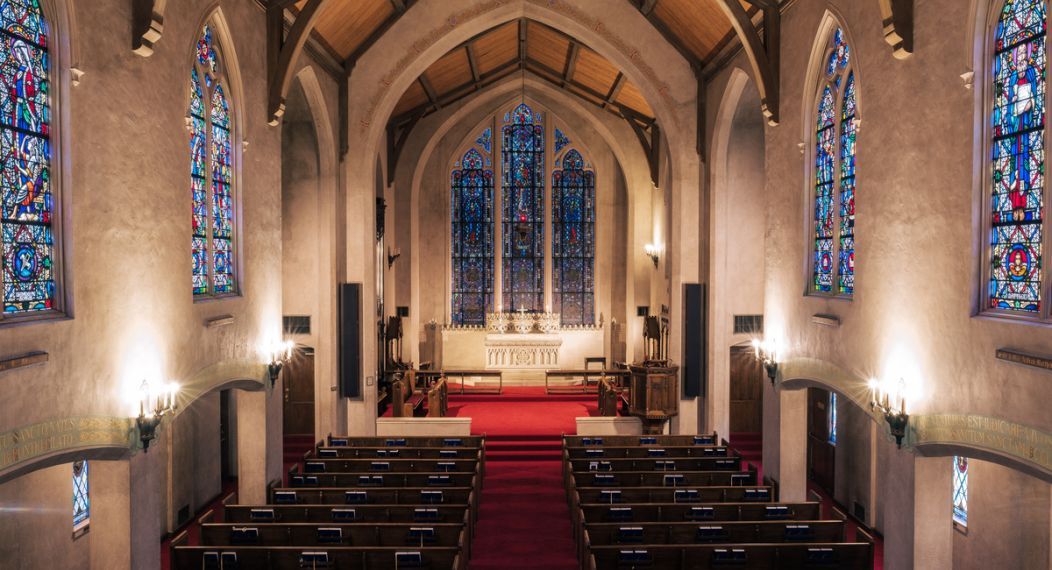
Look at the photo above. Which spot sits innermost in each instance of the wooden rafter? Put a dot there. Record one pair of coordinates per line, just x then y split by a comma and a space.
646, 7
897, 16
473, 63
615, 90
763, 55
571, 61
378, 33
425, 83
147, 25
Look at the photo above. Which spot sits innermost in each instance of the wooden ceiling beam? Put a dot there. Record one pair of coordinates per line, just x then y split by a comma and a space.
586, 93
460, 91
522, 42
280, 77
615, 89
647, 6
764, 55
399, 5
473, 63
647, 10
429, 90
897, 19
571, 61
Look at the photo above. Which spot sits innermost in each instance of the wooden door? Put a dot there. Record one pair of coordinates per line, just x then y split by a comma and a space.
298, 377
821, 454
747, 378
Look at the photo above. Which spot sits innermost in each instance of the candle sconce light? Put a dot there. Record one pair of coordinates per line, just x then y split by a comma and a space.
653, 252
280, 355
159, 401
769, 353
892, 406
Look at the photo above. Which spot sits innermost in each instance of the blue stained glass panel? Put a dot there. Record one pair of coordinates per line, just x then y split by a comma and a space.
523, 211
960, 491
561, 140
824, 180
1018, 157
573, 241
81, 496
832, 418
472, 239
848, 131
26, 202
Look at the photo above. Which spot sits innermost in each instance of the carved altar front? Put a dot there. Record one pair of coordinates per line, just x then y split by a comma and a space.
522, 351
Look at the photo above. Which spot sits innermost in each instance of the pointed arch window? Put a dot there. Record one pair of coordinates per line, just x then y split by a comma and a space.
522, 223
573, 238
836, 127
1017, 199
28, 256
213, 243
472, 233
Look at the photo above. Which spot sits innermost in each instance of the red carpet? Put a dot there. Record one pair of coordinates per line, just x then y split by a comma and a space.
524, 521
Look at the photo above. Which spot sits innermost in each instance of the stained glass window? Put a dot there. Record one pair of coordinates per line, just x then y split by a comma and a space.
472, 243
1018, 155
81, 498
573, 240
960, 490
211, 173
523, 216
836, 126
832, 418
27, 242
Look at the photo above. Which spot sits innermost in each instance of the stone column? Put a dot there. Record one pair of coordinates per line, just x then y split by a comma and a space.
918, 528
126, 512
259, 442
791, 467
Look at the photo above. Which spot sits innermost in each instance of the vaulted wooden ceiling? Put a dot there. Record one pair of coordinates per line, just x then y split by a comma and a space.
699, 29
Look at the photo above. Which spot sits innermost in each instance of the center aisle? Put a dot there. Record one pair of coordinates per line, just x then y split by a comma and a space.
524, 521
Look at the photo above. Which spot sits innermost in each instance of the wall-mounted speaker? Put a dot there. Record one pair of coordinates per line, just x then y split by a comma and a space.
350, 311
403, 311
694, 342
642, 311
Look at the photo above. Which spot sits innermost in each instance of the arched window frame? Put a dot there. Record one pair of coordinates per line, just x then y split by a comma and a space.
496, 122
484, 144
561, 150
228, 77
843, 220
520, 299
61, 54
987, 305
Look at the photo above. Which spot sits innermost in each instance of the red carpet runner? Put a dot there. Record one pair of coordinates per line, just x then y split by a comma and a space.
524, 521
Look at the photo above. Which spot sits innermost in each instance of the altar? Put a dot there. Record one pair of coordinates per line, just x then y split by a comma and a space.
523, 344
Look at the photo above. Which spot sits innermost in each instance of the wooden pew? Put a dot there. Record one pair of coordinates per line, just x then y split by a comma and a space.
640, 440
438, 399
373, 495
622, 479
443, 453
457, 442
367, 513
396, 464
714, 532
591, 378
385, 479
333, 534
609, 397
293, 557
668, 464
843, 556
664, 451
699, 512
616, 495
406, 402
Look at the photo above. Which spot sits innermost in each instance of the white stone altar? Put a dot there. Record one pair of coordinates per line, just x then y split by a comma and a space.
517, 351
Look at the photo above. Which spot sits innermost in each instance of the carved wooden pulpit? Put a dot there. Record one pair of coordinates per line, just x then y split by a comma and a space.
654, 394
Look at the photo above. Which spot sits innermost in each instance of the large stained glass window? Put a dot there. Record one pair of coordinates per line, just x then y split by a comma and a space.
573, 239
27, 243
522, 155
211, 173
836, 125
472, 243
1018, 155
81, 499
960, 491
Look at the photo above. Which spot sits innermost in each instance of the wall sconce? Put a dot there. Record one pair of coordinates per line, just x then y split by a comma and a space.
769, 352
160, 400
653, 251
892, 407
392, 256
280, 355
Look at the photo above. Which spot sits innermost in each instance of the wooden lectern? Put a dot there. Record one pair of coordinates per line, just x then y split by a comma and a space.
654, 394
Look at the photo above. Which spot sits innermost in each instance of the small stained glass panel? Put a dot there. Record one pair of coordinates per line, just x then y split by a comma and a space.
960, 491
81, 496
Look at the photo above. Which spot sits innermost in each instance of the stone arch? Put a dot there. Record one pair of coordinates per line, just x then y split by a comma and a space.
798, 373
63, 440
1016, 446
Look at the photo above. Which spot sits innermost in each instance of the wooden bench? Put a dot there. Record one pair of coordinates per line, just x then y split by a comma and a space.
373, 495
711, 532
392, 464
665, 479
443, 453
429, 377
843, 556
638, 440
386, 479
650, 451
406, 401
590, 380
368, 513
376, 442
666, 464
333, 534
438, 399
722, 494
298, 557
699, 512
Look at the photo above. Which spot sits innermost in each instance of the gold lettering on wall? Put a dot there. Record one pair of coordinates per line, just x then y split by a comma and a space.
1024, 358
1025, 443
27, 443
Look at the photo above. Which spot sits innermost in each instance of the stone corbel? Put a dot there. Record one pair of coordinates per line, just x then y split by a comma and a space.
147, 26
897, 19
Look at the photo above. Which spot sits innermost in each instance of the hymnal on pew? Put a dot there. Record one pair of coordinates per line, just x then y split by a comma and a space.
344, 515
355, 497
